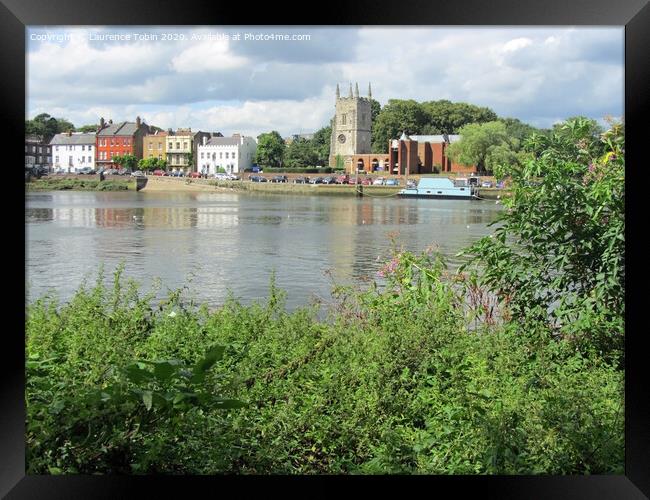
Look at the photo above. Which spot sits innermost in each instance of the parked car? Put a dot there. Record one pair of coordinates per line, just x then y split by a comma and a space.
178, 173
391, 182
329, 180
196, 175
316, 180
367, 181
137, 173
486, 184
279, 178
301, 180
86, 171
343, 179
379, 181
159, 172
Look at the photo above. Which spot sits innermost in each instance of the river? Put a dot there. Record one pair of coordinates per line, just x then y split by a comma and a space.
216, 242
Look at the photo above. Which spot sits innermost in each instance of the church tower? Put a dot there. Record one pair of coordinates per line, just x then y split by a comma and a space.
350, 127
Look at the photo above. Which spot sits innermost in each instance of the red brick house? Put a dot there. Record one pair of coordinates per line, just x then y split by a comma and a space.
118, 139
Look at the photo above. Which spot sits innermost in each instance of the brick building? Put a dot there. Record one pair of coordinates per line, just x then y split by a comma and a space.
118, 139
38, 152
417, 154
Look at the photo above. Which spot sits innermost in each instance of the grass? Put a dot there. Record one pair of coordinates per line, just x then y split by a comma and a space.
49, 184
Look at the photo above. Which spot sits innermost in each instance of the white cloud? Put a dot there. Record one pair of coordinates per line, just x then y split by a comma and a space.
534, 74
516, 44
207, 56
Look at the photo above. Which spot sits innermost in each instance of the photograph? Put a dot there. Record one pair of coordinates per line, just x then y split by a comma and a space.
389, 244
324, 250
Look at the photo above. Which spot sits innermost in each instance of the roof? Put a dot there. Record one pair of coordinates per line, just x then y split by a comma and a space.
123, 128
222, 141
73, 139
434, 138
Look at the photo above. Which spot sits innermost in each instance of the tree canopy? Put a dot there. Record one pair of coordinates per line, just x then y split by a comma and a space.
486, 145
270, 149
47, 126
429, 117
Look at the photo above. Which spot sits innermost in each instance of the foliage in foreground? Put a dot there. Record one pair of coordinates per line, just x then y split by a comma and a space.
514, 368
395, 382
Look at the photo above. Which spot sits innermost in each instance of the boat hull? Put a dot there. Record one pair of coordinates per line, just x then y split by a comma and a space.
436, 196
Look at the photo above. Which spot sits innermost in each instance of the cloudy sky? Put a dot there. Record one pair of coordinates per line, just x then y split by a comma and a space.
208, 79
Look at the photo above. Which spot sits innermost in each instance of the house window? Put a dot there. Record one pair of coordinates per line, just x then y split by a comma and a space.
56, 159
220, 155
233, 156
89, 160
202, 155
185, 144
150, 146
83, 148
112, 142
160, 145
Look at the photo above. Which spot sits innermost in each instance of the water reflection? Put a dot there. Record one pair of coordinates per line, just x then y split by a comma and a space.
234, 241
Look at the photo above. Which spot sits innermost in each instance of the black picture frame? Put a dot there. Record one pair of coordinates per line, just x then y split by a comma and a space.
634, 15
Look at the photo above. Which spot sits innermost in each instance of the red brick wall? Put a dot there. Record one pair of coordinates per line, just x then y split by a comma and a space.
119, 145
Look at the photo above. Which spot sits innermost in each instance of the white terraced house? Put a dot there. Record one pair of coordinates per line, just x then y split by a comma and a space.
232, 154
72, 151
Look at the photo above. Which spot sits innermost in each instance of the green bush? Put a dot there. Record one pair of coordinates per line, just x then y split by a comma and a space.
394, 381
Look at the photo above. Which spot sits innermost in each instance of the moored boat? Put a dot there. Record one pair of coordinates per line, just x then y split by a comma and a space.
440, 187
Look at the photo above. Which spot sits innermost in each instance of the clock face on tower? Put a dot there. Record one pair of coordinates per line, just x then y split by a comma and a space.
341, 138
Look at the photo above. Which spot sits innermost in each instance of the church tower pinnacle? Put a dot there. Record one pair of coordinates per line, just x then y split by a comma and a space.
369, 91
356, 90
338, 92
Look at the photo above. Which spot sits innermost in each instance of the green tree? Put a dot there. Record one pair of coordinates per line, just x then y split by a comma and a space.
484, 145
149, 164
47, 126
396, 117
520, 131
558, 253
88, 128
321, 144
301, 153
270, 149
446, 117
129, 162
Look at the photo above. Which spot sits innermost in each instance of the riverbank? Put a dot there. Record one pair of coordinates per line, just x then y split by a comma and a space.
176, 184
80, 184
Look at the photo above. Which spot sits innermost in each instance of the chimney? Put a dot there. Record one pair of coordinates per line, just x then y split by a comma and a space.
138, 122
101, 122
205, 139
